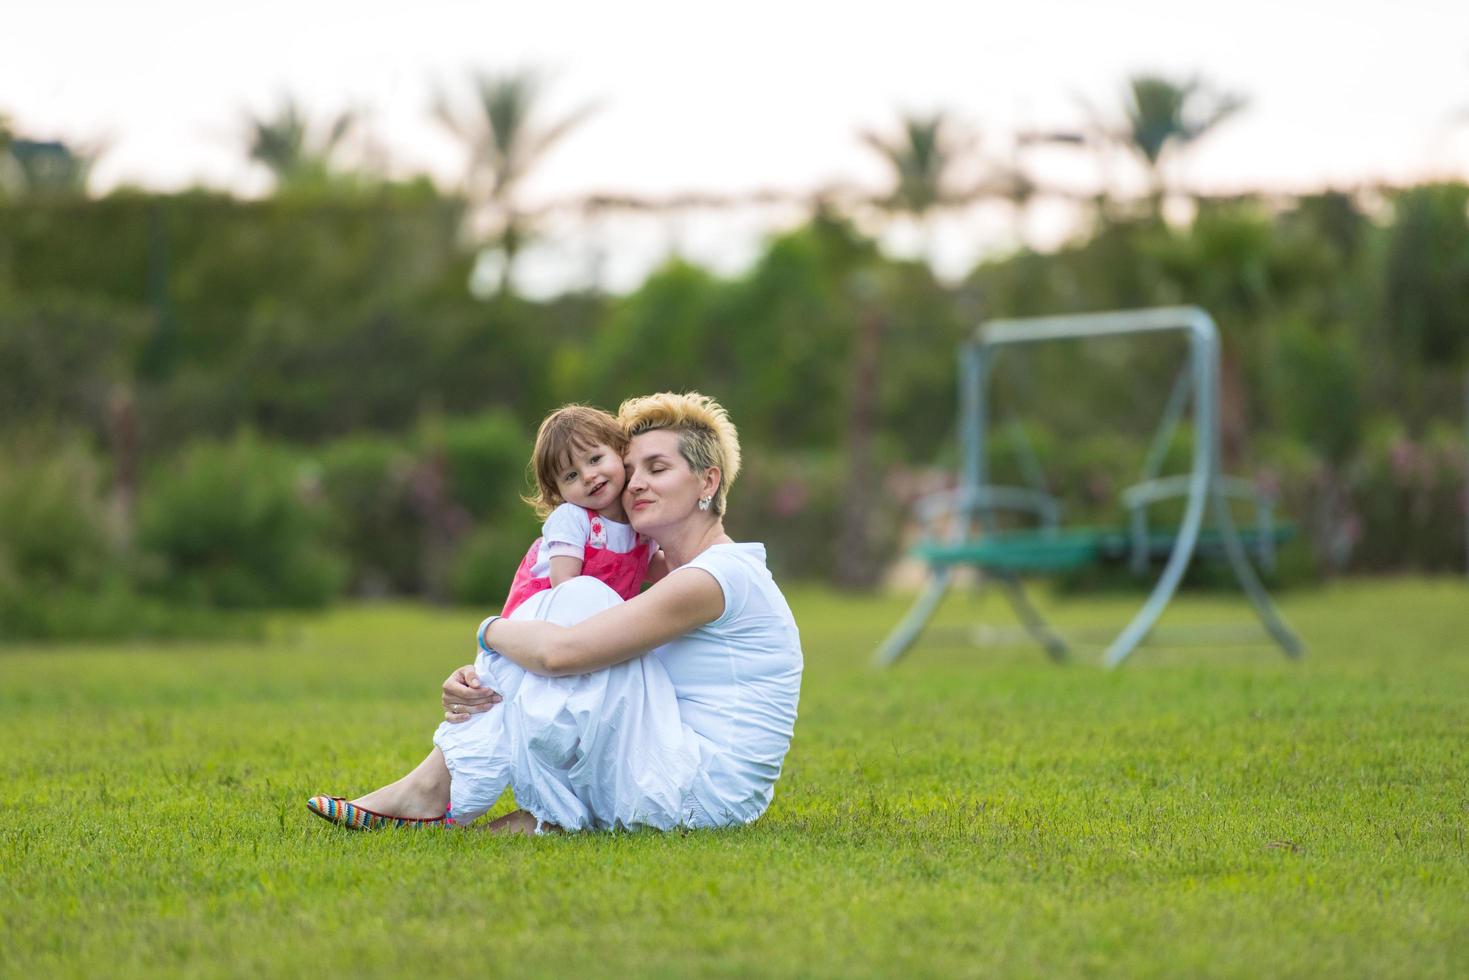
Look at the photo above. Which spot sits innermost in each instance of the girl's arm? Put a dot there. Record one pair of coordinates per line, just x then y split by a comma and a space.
669, 609
563, 568
657, 567
565, 531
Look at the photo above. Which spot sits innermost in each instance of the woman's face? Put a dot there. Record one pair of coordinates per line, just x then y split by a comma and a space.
662, 490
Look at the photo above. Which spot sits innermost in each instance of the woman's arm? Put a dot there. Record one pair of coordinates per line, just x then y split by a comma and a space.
668, 609
564, 568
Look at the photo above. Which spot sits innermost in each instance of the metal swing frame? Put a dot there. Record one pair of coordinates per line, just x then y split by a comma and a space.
1203, 487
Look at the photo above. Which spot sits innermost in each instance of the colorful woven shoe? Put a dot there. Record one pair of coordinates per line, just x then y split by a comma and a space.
337, 810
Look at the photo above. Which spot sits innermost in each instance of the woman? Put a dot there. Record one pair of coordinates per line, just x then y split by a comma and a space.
674, 708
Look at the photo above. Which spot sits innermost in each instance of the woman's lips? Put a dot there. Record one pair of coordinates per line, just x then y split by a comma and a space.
640, 504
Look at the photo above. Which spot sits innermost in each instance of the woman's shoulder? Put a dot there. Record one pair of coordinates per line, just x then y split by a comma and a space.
739, 569
749, 555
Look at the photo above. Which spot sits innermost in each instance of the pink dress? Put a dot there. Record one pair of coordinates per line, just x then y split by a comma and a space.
623, 572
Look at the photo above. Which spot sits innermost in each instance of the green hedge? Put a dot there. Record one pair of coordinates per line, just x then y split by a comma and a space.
239, 525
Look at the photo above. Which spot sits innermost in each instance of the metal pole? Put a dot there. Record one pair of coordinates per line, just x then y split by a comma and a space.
972, 421
1202, 347
971, 424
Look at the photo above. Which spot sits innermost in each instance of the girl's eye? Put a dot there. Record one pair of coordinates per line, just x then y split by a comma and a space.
596, 459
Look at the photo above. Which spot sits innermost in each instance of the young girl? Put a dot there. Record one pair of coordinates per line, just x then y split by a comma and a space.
579, 479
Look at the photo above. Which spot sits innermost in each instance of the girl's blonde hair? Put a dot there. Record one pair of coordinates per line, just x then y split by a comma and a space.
569, 428
706, 436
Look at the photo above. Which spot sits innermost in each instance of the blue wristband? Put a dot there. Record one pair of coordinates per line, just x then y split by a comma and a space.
480, 633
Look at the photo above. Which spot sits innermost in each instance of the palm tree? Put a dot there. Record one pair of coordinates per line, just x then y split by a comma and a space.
43, 168
505, 140
294, 151
48, 168
922, 158
1163, 114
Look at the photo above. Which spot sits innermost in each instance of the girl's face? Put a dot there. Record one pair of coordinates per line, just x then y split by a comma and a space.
662, 489
592, 478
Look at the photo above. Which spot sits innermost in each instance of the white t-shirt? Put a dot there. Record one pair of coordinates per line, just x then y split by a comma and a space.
738, 681
567, 530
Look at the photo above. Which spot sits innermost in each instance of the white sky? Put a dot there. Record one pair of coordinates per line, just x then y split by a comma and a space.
760, 94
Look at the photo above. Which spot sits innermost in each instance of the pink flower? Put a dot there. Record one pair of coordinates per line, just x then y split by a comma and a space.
790, 498
1403, 456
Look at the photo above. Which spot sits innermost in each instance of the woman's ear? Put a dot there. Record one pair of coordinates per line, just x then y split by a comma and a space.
709, 486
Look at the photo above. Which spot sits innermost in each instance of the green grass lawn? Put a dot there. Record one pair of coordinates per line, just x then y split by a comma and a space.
1203, 811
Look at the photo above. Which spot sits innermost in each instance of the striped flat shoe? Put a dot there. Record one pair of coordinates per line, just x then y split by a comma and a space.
337, 810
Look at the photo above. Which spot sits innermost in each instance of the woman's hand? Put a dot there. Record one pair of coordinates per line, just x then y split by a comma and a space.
463, 695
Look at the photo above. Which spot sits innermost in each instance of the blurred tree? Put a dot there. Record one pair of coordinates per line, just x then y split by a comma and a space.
660, 338
1161, 113
505, 142
296, 153
922, 160
6, 162
1012, 182
42, 168
1425, 295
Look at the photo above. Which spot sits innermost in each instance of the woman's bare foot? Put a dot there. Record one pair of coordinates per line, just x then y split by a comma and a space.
518, 822
423, 793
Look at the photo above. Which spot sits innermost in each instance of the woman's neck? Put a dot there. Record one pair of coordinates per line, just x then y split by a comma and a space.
683, 544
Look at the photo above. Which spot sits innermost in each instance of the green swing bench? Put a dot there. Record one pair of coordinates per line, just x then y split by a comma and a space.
961, 526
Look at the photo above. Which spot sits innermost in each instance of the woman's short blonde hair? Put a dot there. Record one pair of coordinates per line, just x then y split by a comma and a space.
706, 436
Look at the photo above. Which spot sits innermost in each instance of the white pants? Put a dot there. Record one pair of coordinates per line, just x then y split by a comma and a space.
591, 751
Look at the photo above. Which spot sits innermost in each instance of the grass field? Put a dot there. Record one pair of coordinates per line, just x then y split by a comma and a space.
975, 811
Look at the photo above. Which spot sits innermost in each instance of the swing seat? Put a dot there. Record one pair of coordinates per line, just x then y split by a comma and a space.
1042, 550
1211, 541
1050, 551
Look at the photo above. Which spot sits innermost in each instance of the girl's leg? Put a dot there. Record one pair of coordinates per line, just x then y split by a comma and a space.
424, 792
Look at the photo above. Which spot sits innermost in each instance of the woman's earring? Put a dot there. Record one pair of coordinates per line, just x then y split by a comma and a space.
704, 503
